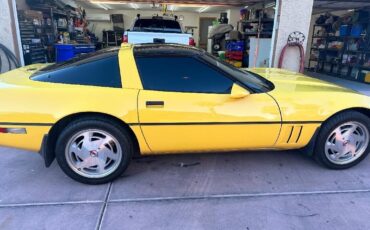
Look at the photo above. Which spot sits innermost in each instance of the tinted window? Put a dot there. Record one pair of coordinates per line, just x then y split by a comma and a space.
102, 71
157, 25
181, 74
253, 81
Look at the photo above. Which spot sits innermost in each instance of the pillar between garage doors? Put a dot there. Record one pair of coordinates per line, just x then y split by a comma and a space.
292, 15
9, 29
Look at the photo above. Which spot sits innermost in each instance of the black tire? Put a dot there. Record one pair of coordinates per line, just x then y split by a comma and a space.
328, 127
103, 124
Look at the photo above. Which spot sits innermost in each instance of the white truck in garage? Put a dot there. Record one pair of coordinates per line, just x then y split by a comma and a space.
157, 29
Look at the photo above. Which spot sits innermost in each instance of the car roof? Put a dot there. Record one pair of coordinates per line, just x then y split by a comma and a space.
158, 17
165, 49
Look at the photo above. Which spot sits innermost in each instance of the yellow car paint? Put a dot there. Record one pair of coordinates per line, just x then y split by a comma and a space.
191, 122
285, 118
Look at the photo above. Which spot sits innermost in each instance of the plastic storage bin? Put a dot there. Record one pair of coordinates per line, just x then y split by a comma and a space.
356, 31
79, 49
63, 52
344, 30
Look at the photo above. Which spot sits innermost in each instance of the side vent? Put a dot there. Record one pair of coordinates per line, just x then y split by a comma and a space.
294, 134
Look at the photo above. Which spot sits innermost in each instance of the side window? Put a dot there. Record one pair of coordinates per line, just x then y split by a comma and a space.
181, 74
102, 72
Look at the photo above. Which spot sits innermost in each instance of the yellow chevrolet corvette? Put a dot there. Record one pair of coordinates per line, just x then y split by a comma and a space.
94, 112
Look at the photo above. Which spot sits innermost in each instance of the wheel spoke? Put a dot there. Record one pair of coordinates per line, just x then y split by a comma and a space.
109, 154
86, 144
104, 142
81, 153
358, 138
338, 134
350, 131
101, 165
332, 146
87, 163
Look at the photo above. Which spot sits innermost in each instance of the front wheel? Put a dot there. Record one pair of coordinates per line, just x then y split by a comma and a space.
344, 140
94, 151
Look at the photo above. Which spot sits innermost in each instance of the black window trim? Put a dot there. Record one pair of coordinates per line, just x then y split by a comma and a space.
200, 58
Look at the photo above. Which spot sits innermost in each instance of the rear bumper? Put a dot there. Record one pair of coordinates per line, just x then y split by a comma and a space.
31, 140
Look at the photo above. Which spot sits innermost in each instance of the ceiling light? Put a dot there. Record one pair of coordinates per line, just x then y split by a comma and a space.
189, 5
108, 2
102, 6
269, 5
172, 7
134, 6
201, 10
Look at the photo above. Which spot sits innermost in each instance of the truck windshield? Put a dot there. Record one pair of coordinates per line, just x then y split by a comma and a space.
157, 25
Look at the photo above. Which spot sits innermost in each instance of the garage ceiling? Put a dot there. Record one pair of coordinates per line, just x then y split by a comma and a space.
321, 6
190, 2
206, 6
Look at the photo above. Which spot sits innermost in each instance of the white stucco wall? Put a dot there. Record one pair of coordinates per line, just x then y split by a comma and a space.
293, 16
6, 31
9, 31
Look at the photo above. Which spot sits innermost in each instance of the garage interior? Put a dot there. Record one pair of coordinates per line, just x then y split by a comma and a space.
337, 43
93, 25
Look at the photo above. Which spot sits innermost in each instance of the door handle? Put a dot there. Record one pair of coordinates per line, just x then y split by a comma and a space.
155, 104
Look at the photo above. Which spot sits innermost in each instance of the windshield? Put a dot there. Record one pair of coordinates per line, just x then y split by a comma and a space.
157, 25
249, 79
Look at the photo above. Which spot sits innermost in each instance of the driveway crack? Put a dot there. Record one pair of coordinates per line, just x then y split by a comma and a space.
104, 207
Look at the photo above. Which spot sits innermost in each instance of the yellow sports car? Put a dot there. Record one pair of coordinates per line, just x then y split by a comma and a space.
93, 113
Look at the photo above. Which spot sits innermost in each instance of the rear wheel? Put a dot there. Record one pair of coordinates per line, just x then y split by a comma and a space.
344, 140
94, 151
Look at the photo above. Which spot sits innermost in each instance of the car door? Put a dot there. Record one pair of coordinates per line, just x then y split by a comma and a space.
186, 106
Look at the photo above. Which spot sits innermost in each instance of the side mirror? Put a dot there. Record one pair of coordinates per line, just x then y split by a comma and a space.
238, 92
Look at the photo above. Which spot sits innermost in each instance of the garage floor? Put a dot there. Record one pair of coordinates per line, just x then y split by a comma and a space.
255, 190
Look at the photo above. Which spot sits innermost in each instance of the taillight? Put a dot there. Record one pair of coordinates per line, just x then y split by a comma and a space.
191, 42
125, 39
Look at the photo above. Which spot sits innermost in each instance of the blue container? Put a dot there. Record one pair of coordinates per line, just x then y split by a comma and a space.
79, 49
356, 30
235, 46
344, 30
64, 52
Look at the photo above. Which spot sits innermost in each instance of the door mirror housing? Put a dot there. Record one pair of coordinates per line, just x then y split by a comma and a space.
238, 92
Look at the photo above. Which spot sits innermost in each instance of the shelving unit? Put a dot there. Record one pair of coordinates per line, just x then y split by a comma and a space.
256, 26
40, 26
33, 50
264, 27
350, 60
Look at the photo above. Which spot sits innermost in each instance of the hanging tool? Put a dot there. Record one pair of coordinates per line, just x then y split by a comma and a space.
295, 39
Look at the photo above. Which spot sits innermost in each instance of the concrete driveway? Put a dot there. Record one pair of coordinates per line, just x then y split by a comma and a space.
254, 190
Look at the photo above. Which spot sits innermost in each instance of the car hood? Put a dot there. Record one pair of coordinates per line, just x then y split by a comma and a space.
300, 97
292, 82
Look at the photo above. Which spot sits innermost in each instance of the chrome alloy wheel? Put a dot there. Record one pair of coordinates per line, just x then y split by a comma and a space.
93, 153
347, 143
